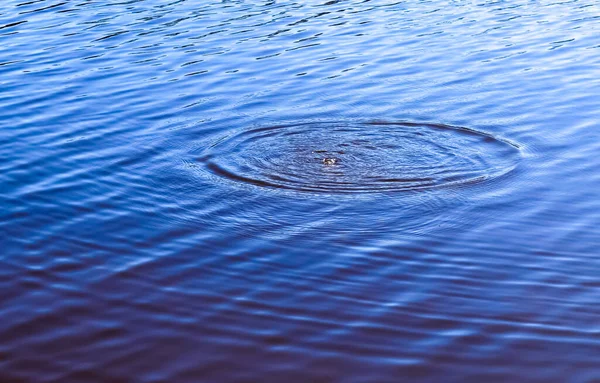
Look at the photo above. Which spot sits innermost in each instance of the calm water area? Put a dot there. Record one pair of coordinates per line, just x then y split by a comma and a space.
299, 191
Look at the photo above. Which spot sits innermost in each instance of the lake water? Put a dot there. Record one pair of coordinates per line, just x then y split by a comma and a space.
311, 191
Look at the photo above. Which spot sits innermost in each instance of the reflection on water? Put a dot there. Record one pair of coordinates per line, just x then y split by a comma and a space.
299, 191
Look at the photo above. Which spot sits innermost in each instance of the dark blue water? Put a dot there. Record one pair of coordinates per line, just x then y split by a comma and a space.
268, 191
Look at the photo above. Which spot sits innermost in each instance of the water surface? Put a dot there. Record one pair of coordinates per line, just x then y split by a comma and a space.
344, 191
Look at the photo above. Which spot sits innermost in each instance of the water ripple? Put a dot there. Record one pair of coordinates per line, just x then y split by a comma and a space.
357, 158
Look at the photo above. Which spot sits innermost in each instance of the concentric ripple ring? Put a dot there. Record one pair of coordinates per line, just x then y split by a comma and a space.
342, 157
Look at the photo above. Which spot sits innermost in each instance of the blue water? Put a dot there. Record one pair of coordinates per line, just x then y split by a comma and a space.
268, 191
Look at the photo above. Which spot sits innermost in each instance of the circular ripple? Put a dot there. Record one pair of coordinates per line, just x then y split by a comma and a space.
359, 157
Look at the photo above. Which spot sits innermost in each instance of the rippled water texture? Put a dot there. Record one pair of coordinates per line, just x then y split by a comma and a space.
315, 191
351, 158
